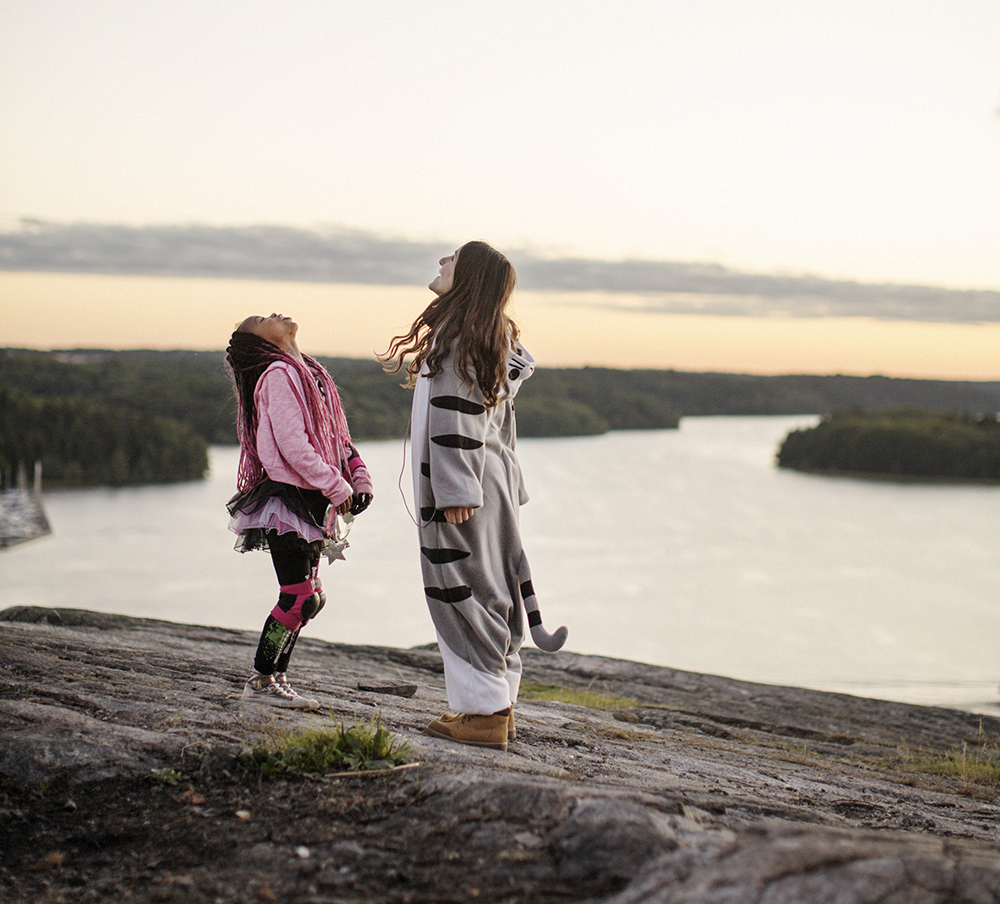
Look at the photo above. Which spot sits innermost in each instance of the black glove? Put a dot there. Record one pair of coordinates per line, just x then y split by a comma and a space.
359, 502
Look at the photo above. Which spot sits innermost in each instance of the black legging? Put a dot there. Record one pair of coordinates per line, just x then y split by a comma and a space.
294, 561
293, 558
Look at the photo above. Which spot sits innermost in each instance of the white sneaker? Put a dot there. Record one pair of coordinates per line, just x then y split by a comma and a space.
281, 679
265, 689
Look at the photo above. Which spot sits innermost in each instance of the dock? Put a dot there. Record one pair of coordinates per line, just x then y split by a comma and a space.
22, 517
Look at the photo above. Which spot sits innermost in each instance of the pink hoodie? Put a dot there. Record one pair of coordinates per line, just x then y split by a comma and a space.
286, 440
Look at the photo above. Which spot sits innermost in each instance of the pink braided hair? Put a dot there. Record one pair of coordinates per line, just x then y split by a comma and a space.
248, 356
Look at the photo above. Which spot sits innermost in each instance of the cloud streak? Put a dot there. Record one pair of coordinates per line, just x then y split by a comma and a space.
343, 256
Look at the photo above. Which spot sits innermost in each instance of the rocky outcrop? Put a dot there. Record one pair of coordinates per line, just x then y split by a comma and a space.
703, 789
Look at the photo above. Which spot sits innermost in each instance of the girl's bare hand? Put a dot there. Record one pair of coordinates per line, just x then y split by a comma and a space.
344, 506
458, 514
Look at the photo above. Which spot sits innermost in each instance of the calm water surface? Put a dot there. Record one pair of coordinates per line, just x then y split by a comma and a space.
685, 548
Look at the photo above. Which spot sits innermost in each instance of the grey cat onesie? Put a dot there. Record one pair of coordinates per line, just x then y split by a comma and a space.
476, 576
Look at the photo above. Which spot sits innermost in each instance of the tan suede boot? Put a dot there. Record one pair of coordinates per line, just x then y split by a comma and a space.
511, 728
468, 728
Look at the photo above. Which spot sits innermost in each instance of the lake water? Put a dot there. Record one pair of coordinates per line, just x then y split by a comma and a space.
685, 548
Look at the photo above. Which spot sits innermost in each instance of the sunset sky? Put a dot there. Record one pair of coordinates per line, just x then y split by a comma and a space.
848, 141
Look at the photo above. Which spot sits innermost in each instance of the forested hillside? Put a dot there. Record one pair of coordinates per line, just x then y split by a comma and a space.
192, 387
91, 443
191, 390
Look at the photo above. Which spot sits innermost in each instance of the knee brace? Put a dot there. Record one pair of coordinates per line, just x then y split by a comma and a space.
297, 603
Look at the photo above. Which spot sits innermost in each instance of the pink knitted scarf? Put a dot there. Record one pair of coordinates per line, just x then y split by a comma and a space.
329, 424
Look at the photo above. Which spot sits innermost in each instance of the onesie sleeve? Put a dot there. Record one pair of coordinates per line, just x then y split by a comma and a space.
283, 443
456, 429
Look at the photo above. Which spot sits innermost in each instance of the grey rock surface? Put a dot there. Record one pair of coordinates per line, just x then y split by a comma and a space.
706, 789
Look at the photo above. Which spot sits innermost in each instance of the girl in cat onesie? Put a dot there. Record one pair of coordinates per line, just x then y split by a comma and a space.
299, 477
467, 366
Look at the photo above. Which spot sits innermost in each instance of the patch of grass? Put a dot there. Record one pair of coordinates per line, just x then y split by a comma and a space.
799, 755
537, 690
976, 766
168, 723
785, 751
163, 776
613, 733
319, 750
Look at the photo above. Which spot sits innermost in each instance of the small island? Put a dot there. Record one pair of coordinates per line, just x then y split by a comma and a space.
898, 444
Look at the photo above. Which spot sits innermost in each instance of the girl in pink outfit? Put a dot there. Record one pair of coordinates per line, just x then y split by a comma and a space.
298, 477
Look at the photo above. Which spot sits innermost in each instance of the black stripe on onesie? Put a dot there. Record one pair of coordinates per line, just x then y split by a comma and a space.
473, 572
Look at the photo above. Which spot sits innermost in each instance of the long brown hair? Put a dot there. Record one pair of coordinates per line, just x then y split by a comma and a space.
472, 317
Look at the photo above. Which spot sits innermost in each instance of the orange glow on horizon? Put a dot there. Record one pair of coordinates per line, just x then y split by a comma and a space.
561, 329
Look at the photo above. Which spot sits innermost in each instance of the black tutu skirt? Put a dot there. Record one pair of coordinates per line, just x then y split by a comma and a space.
309, 505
